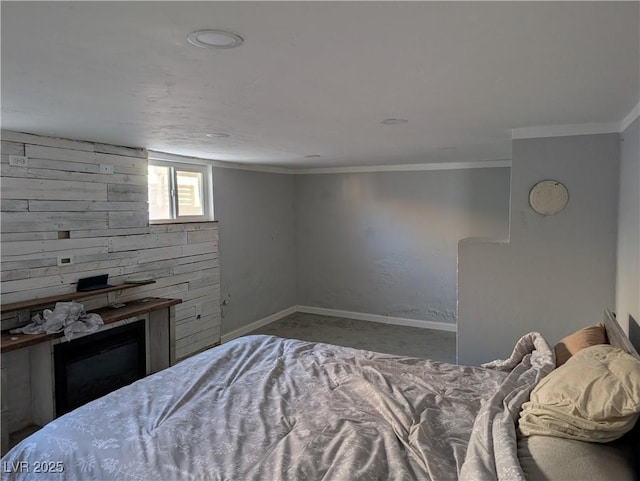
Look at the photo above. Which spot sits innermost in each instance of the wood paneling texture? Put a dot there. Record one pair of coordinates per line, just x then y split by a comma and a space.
17, 366
62, 189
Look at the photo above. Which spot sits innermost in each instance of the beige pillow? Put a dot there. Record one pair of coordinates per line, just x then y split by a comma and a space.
595, 396
587, 337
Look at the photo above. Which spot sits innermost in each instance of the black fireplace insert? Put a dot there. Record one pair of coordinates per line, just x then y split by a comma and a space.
94, 365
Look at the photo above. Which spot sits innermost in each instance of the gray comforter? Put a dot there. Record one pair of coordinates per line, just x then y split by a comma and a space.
265, 408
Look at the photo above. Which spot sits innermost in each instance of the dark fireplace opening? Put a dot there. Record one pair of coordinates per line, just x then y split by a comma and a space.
92, 366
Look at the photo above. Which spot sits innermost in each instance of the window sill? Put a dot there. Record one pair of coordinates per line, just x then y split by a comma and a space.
175, 221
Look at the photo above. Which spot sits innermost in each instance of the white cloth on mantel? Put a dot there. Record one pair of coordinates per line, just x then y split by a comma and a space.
69, 317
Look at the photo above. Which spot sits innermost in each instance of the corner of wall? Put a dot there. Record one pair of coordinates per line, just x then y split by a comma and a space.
555, 272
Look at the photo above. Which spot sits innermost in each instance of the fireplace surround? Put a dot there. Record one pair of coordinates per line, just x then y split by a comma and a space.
28, 361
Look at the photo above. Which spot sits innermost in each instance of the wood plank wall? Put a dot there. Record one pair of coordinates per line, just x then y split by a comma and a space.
62, 193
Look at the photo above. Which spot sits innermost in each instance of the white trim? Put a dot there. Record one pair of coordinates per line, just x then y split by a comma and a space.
257, 324
154, 155
253, 167
480, 164
564, 130
396, 321
631, 116
360, 316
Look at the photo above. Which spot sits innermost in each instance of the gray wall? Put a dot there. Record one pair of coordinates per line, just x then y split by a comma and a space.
386, 243
257, 244
628, 272
557, 273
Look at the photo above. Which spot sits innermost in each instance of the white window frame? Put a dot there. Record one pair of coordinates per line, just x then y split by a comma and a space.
190, 165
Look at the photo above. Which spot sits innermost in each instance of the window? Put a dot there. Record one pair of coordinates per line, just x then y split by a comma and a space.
179, 192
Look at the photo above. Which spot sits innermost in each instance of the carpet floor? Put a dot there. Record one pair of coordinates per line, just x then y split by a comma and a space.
371, 336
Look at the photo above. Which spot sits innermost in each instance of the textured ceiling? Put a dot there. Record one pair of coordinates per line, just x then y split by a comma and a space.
317, 78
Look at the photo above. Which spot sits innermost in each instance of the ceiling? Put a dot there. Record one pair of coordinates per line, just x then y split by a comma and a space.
317, 78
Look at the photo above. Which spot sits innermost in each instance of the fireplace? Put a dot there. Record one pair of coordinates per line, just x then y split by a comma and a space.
94, 365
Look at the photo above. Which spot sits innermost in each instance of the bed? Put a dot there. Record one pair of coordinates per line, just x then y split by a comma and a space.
266, 408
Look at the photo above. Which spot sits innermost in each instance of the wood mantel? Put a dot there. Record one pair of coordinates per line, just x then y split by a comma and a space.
71, 296
12, 342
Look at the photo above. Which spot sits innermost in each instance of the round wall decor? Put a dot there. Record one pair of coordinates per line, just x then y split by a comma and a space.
548, 197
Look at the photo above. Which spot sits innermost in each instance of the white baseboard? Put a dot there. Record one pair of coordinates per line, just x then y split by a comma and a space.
361, 316
257, 324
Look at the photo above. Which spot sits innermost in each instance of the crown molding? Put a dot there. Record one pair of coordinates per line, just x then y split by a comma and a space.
484, 164
564, 130
576, 129
256, 168
480, 164
217, 163
631, 116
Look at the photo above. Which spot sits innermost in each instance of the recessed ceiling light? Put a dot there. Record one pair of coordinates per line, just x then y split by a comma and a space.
311, 156
218, 135
394, 121
215, 39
